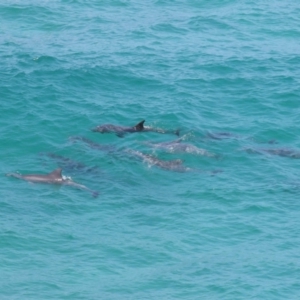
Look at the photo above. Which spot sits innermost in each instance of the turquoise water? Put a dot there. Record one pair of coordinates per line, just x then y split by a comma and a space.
198, 66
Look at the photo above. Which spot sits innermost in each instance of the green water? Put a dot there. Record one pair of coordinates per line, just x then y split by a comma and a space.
225, 229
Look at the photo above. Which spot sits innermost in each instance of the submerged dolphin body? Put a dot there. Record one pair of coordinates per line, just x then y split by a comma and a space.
233, 136
55, 177
175, 165
279, 152
222, 135
178, 147
171, 165
93, 145
120, 131
71, 165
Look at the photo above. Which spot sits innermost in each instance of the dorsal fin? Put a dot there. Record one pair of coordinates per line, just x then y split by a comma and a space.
56, 173
177, 161
139, 126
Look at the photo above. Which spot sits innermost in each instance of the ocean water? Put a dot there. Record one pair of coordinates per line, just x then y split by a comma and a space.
226, 73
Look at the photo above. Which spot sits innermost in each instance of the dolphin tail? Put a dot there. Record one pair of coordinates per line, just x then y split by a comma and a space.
139, 126
83, 187
95, 194
16, 175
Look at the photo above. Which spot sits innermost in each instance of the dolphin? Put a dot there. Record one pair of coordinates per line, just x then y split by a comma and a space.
233, 136
178, 147
54, 177
279, 152
175, 165
93, 145
120, 131
222, 135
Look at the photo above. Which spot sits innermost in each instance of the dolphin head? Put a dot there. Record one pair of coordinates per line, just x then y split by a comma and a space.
106, 128
97, 129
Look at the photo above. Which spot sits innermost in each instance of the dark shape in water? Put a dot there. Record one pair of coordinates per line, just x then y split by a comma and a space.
93, 145
279, 152
233, 136
55, 177
272, 142
71, 165
222, 135
178, 147
120, 131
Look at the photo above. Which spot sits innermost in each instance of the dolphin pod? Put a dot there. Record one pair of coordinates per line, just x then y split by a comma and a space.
175, 165
54, 177
171, 165
175, 146
120, 131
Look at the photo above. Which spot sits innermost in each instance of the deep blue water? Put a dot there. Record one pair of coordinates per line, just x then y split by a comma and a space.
226, 74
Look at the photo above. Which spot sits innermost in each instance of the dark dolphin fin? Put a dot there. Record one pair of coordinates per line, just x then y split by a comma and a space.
120, 134
56, 173
139, 126
177, 132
